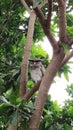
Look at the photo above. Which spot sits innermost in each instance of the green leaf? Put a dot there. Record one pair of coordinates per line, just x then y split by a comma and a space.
2, 98
67, 127
19, 100
66, 49
37, 51
70, 110
14, 118
4, 108
66, 76
46, 124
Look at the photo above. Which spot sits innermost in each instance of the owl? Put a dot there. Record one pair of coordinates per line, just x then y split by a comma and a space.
37, 70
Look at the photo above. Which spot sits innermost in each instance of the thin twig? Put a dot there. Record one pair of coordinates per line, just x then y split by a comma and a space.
67, 58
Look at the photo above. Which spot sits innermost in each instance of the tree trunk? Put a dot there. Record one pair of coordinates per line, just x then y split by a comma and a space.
43, 90
27, 49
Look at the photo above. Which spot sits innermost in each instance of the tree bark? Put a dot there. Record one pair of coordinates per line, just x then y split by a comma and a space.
32, 91
43, 90
62, 20
24, 66
12, 127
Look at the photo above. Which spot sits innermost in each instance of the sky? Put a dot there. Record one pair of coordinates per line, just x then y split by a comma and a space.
57, 90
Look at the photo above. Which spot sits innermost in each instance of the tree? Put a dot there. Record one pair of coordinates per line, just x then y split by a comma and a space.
62, 49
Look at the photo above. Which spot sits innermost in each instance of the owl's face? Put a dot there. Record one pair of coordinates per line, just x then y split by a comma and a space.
35, 63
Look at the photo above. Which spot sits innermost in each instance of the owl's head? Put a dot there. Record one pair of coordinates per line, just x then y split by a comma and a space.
34, 63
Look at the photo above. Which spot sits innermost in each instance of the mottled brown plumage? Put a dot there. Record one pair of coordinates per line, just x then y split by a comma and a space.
37, 70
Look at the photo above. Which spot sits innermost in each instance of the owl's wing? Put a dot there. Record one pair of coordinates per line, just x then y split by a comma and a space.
43, 70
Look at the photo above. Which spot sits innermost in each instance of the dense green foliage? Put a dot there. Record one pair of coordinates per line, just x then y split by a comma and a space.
12, 41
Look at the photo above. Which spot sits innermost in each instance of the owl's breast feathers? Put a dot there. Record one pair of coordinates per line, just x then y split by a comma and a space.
37, 70
36, 74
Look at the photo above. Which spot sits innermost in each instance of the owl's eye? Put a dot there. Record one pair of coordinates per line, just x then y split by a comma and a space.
31, 62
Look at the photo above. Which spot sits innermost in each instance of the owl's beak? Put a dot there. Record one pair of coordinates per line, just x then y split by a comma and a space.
34, 63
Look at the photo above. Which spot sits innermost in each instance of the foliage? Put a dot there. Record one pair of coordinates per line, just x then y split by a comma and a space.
53, 117
56, 117
12, 41
70, 90
70, 24
38, 32
13, 107
38, 52
65, 70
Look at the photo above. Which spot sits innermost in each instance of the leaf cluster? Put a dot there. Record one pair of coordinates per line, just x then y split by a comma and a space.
12, 108
55, 117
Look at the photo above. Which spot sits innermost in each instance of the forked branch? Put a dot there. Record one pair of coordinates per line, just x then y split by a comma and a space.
46, 25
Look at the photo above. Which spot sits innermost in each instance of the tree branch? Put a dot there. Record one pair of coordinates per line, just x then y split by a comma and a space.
62, 20
49, 13
11, 127
25, 6
38, 12
66, 59
70, 41
32, 91
24, 65
40, 15
46, 28
43, 3
52, 40
46, 25
47, 32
